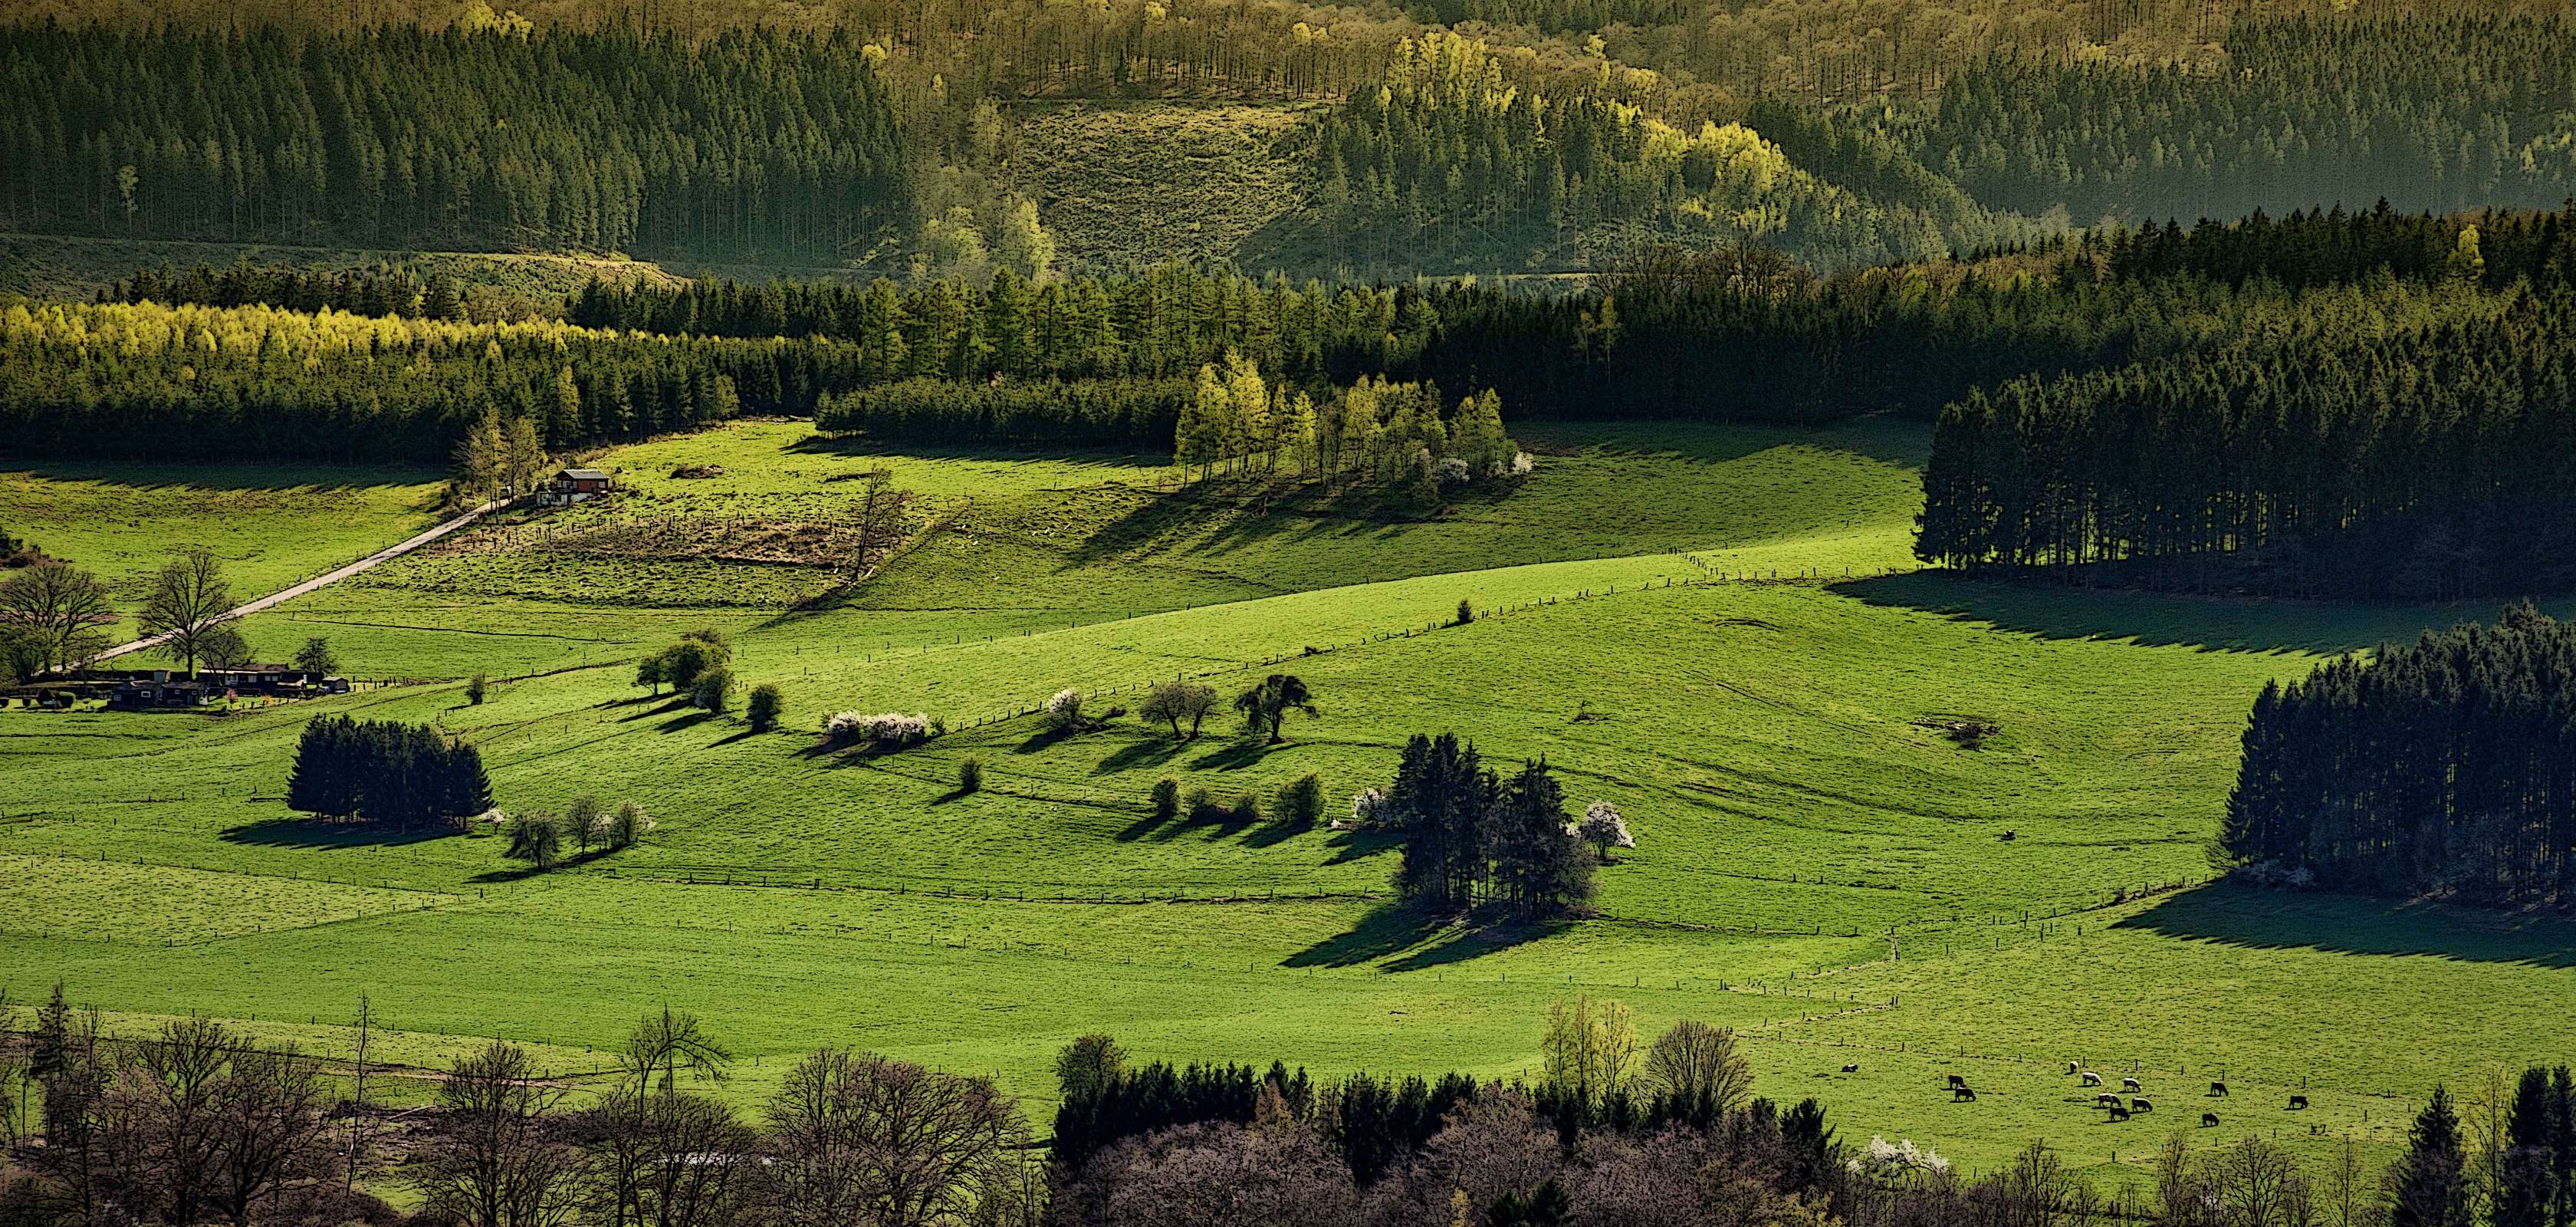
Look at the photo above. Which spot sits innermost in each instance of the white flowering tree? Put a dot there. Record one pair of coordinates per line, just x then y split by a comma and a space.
1604, 828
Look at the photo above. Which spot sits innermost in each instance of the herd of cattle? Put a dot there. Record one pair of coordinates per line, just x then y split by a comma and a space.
1961, 1092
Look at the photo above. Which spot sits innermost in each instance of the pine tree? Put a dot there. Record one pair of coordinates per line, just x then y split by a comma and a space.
2429, 1186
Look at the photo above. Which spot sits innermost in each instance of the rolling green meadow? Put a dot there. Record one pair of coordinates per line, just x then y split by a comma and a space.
1719, 629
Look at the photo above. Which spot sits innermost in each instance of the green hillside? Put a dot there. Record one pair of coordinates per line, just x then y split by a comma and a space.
1712, 627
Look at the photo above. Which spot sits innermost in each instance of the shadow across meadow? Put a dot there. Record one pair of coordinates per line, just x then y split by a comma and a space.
1411, 940
325, 833
2155, 619
2256, 918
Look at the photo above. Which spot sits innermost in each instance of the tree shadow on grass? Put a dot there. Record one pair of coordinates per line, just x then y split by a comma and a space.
525, 872
324, 833
1145, 826
1362, 844
1421, 940
1272, 834
687, 720
1236, 756
1153, 751
2229, 914
669, 704
2157, 619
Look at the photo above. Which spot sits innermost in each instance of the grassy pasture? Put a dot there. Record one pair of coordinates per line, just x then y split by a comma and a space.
271, 525
1817, 865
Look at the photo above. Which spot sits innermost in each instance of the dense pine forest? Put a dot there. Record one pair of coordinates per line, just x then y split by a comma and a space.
754, 142
2439, 767
2431, 113
2408, 435
1518, 145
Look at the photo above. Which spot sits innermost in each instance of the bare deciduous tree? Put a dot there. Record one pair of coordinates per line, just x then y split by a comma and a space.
62, 609
493, 1163
1694, 1061
189, 599
860, 1138
671, 1160
664, 1044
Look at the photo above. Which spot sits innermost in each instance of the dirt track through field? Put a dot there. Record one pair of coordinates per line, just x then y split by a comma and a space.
319, 581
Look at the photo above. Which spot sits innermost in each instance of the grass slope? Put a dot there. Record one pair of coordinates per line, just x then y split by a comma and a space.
271, 525
1816, 864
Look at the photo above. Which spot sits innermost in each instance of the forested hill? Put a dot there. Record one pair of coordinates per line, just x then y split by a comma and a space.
753, 143
1447, 136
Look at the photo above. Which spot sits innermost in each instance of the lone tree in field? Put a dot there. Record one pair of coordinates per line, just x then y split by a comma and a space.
1175, 701
188, 602
1266, 705
58, 610
764, 707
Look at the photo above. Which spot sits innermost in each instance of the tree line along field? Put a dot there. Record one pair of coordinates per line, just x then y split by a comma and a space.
1713, 627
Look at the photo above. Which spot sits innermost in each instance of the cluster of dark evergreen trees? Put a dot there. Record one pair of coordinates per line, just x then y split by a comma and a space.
1472, 836
2432, 461
383, 290
2434, 112
406, 776
2399, 427
1136, 413
755, 141
2444, 766
1124, 1103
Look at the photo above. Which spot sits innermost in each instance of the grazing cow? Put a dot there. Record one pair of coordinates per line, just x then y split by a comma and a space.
2074, 1067
2092, 1079
1961, 1094
2219, 1089
2297, 1102
2139, 1105
2209, 1120
1852, 1068
2106, 1100
2119, 1113
1957, 1081
2131, 1085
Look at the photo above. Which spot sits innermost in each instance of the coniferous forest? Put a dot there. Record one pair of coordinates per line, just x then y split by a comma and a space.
753, 142
2446, 767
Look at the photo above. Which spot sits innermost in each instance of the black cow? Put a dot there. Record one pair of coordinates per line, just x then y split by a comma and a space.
2140, 1105
1852, 1068
2208, 1120
2119, 1113
2297, 1102
2219, 1089
1957, 1081
1961, 1094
